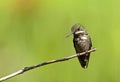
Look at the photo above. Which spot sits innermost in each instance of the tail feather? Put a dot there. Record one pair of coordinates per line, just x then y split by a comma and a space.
84, 60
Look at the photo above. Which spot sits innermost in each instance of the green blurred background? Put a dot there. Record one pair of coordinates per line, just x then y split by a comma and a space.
33, 31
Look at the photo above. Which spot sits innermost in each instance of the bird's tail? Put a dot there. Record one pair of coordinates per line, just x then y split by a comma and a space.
84, 60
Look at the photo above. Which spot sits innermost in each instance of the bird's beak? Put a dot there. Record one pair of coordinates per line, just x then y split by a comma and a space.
69, 34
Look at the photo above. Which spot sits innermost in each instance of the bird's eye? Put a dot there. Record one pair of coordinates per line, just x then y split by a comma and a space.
78, 28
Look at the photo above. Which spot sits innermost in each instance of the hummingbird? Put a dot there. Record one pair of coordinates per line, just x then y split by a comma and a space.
82, 43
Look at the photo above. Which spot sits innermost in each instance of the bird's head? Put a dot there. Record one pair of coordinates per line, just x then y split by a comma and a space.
77, 29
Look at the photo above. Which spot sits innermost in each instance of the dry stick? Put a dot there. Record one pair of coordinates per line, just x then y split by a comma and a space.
25, 69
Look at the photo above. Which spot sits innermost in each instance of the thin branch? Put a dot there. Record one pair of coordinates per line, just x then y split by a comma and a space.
25, 69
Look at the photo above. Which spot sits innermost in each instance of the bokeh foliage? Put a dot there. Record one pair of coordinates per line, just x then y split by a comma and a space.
33, 31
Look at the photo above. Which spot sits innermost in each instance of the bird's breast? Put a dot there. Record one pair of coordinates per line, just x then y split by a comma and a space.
81, 43
81, 39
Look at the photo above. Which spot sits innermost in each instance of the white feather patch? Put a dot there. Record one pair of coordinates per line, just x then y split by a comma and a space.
78, 32
84, 37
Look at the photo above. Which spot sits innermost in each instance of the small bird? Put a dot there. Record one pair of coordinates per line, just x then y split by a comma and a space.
82, 43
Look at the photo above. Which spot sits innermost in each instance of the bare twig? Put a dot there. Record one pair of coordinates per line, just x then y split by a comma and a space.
25, 69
